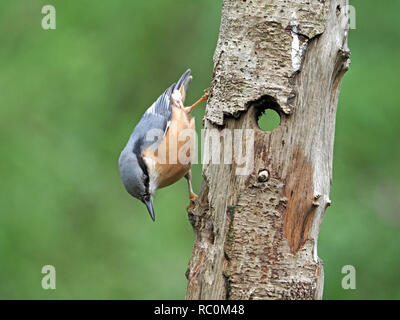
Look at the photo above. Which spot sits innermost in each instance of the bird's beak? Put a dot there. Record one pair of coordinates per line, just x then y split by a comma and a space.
150, 208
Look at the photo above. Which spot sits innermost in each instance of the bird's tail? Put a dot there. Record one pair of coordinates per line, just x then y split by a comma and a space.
184, 80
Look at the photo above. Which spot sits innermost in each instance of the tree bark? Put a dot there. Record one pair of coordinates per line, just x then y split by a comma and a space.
256, 234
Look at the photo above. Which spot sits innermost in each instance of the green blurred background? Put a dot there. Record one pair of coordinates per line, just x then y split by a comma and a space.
69, 99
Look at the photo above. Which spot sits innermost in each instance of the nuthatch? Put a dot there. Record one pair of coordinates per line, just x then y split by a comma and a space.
141, 171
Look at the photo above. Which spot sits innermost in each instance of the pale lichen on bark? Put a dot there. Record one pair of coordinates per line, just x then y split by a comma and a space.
257, 37
258, 239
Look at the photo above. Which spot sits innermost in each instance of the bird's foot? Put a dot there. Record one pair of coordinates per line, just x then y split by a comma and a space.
203, 98
193, 199
193, 196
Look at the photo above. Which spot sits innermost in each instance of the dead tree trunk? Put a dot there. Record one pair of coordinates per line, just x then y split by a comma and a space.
256, 234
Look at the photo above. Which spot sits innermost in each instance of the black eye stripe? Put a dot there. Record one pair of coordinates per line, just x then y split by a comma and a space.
136, 151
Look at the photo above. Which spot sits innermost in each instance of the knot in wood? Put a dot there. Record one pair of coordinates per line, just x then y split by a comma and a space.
263, 176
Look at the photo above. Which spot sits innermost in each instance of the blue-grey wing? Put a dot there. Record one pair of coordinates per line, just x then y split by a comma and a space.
154, 123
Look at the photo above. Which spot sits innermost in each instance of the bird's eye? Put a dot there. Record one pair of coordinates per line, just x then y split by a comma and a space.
146, 197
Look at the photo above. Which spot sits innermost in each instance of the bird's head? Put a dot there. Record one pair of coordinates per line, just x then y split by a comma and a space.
135, 178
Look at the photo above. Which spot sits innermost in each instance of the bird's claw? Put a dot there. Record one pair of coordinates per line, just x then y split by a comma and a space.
193, 199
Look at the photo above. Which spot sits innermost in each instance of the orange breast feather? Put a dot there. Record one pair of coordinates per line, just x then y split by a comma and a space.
167, 159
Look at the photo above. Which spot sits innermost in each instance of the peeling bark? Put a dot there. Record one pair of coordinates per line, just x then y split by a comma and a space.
256, 238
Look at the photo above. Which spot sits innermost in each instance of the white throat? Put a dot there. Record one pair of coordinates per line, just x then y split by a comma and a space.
153, 176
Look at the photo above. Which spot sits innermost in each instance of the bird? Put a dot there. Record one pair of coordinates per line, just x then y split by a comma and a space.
142, 168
